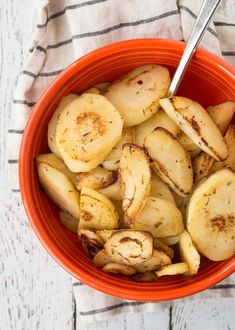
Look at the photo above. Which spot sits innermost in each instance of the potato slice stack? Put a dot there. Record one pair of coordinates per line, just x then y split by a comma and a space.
138, 176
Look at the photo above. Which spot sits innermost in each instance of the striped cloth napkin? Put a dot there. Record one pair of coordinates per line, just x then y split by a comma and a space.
66, 30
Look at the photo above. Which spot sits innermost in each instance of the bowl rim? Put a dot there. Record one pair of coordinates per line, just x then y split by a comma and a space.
88, 279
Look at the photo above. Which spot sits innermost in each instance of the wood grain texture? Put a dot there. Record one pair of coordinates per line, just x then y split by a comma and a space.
35, 293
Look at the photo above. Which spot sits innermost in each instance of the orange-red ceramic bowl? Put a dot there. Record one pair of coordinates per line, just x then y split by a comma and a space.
209, 80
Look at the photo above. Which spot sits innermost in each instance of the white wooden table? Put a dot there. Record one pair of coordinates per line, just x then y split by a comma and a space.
35, 293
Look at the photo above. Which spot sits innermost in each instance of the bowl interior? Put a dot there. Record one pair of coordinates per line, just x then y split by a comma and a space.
208, 81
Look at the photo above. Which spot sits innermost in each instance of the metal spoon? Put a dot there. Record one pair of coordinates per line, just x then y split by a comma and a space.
204, 17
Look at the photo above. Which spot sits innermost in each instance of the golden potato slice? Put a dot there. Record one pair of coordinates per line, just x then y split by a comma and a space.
201, 166
158, 260
97, 211
170, 160
211, 216
159, 119
57, 163
97, 178
135, 177
93, 90
91, 242
59, 188
160, 246
113, 159
222, 114
172, 240
144, 277
89, 127
160, 189
113, 191
105, 234
115, 268
130, 247
160, 217
230, 161
181, 203
102, 259
189, 253
174, 269
136, 94
65, 101
196, 122
69, 221
188, 145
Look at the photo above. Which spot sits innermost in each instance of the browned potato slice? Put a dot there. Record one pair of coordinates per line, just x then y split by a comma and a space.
230, 161
136, 94
181, 203
196, 122
160, 246
95, 179
160, 189
159, 119
130, 247
105, 234
170, 160
135, 177
113, 191
101, 259
158, 259
189, 253
171, 240
188, 145
222, 114
115, 268
174, 269
144, 277
160, 217
97, 211
57, 163
69, 221
91, 242
201, 166
113, 159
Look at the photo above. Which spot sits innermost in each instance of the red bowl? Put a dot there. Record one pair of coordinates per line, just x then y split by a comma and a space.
209, 80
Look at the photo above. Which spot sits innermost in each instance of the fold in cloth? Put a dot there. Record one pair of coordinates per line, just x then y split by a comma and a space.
66, 30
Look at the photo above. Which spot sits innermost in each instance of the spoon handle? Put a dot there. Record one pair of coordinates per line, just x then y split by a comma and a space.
203, 19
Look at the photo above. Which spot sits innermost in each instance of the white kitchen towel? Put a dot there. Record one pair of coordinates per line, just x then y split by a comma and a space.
66, 30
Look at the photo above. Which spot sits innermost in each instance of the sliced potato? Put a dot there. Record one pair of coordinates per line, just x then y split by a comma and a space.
97, 211
144, 277
181, 203
222, 114
59, 188
101, 259
54, 120
174, 269
91, 242
115, 268
160, 246
135, 177
189, 145
160, 217
130, 247
172, 240
230, 161
69, 221
201, 166
113, 191
136, 94
196, 122
97, 178
211, 216
93, 90
170, 160
189, 253
87, 128
113, 159
57, 163
160, 189
159, 119
158, 260
105, 234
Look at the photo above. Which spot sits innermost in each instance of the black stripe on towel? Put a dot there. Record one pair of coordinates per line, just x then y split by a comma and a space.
41, 49
113, 28
15, 190
223, 286
41, 74
77, 284
223, 24
13, 161
16, 131
75, 6
109, 308
195, 16
29, 104
170, 327
228, 53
